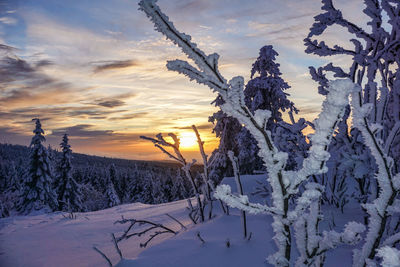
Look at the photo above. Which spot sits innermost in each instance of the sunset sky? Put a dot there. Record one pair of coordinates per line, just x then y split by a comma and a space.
96, 69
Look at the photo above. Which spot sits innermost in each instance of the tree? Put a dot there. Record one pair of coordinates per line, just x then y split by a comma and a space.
69, 191
112, 196
376, 108
146, 195
37, 192
265, 90
179, 190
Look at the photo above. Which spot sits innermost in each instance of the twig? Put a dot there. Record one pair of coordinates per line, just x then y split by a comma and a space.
116, 246
143, 245
250, 235
152, 226
184, 227
201, 239
103, 255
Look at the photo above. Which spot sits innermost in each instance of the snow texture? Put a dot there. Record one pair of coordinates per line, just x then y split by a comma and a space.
390, 256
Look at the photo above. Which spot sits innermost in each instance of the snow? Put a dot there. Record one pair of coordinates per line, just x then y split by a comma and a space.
391, 256
52, 240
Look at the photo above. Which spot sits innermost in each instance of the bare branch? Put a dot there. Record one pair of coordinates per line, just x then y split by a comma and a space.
103, 255
200, 238
184, 227
126, 235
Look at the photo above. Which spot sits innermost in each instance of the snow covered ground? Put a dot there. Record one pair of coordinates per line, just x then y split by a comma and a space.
52, 240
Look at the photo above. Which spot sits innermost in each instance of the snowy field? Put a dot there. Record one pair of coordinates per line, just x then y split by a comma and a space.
52, 240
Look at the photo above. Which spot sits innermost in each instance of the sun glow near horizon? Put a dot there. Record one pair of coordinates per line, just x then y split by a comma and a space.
187, 140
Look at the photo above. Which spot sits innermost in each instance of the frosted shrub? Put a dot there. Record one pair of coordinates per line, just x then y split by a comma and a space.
285, 184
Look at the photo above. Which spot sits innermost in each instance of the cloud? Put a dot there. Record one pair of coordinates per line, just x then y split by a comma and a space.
57, 113
8, 20
12, 68
44, 62
112, 103
129, 116
7, 48
310, 110
81, 130
23, 83
207, 126
114, 64
92, 137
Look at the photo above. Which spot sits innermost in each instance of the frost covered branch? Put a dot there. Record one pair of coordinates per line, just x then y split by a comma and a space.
236, 173
390, 256
388, 184
241, 202
375, 110
311, 244
208, 186
332, 112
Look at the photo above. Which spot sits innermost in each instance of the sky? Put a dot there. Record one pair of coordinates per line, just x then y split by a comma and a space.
96, 69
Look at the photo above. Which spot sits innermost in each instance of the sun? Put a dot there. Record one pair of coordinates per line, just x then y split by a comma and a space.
187, 139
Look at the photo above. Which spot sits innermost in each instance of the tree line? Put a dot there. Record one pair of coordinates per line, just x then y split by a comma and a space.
39, 178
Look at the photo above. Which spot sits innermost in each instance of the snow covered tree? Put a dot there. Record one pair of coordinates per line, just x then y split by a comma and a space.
179, 190
37, 192
158, 192
112, 196
146, 195
4, 212
284, 183
226, 129
134, 186
123, 188
68, 190
265, 90
376, 108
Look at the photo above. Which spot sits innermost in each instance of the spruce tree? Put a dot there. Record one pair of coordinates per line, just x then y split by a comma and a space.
69, 191
265, 91
37, 192
112, 196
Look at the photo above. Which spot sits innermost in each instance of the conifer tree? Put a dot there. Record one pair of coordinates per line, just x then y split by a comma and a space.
264, 91
69, 191
37, 192
146, 195
112, 196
